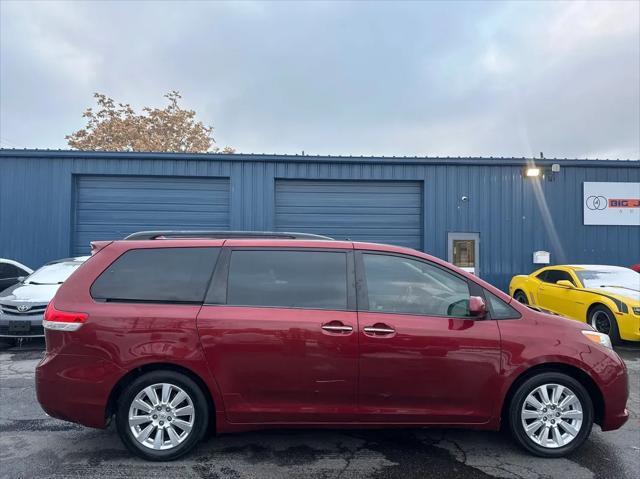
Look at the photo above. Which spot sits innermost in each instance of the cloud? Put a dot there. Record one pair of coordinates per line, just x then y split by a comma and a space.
432, 78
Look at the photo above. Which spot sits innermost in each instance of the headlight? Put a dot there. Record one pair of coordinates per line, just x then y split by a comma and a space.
636, 310
599, 338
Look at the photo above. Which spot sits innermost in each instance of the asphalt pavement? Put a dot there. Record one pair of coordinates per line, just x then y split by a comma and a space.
33, 445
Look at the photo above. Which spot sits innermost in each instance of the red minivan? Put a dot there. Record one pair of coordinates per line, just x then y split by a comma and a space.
172, 335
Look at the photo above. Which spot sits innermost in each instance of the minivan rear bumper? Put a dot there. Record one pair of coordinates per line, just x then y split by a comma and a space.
76, 388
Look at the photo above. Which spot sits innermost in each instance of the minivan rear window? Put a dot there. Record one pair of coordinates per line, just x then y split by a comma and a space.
163, 275
288, 279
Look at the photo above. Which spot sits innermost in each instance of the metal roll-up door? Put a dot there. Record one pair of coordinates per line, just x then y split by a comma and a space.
377, 211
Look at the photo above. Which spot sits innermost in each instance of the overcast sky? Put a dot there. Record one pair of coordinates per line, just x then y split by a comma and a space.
415, 78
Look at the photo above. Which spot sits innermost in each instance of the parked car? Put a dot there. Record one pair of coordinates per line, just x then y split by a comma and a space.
606, 297
11, 272
635, 267
169, 337
22, 305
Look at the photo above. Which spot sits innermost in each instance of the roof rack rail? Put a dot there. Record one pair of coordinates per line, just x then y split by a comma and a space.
152, 235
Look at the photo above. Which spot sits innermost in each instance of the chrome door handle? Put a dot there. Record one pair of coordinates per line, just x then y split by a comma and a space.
337, 329
371, 329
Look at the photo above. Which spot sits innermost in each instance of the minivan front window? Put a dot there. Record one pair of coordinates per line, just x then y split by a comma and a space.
56, 273
396, 284
499, 309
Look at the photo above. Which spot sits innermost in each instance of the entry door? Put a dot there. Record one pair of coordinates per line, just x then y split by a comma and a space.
422, 358
464, 251
284, 347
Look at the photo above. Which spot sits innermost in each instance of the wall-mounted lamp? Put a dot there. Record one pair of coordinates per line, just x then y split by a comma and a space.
532, 172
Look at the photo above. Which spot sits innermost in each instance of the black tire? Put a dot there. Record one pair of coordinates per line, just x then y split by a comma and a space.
516, 422
521, 297
201, 415
596, 319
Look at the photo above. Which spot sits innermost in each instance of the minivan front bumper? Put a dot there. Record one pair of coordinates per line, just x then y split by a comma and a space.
76, 388
615, 393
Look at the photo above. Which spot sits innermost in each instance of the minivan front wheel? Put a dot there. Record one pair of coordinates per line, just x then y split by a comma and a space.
551, 414
161, 415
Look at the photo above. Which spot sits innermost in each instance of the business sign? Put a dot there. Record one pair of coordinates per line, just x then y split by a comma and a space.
611, 203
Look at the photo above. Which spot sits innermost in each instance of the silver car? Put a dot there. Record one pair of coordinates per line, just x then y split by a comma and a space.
22, 305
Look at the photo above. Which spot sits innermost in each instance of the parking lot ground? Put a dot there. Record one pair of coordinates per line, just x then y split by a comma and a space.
33, 445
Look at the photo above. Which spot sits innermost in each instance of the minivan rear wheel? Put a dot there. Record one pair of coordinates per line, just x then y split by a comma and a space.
162, 415
551, 414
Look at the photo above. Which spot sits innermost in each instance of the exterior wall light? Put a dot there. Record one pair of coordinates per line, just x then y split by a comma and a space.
532, 172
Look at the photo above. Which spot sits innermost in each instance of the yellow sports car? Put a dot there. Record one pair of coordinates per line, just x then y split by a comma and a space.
606, 297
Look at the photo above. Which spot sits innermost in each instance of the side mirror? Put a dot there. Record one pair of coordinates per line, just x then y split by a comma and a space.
21, 279
477, 307
565, 284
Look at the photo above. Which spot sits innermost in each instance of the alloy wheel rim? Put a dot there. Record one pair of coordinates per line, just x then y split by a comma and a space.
601, 322
161, 416
552, 415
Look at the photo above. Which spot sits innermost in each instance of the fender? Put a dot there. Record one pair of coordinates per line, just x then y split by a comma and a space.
620, 305
197, 369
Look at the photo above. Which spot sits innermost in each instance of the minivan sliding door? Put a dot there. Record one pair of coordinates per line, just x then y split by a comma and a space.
279, 331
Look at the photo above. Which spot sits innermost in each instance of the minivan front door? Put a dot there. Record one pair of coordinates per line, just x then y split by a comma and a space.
422, 359
284, 347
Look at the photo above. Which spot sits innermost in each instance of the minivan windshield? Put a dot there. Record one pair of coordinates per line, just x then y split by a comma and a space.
56, 273
610, 277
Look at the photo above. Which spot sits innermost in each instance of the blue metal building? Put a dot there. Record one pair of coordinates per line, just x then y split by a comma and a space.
53, 203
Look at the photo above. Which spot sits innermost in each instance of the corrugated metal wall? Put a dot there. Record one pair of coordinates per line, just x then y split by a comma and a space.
513, 215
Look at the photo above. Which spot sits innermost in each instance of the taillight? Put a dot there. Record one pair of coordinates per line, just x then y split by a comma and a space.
62, 320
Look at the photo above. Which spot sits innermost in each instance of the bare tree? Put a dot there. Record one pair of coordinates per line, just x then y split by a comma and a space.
117, 127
